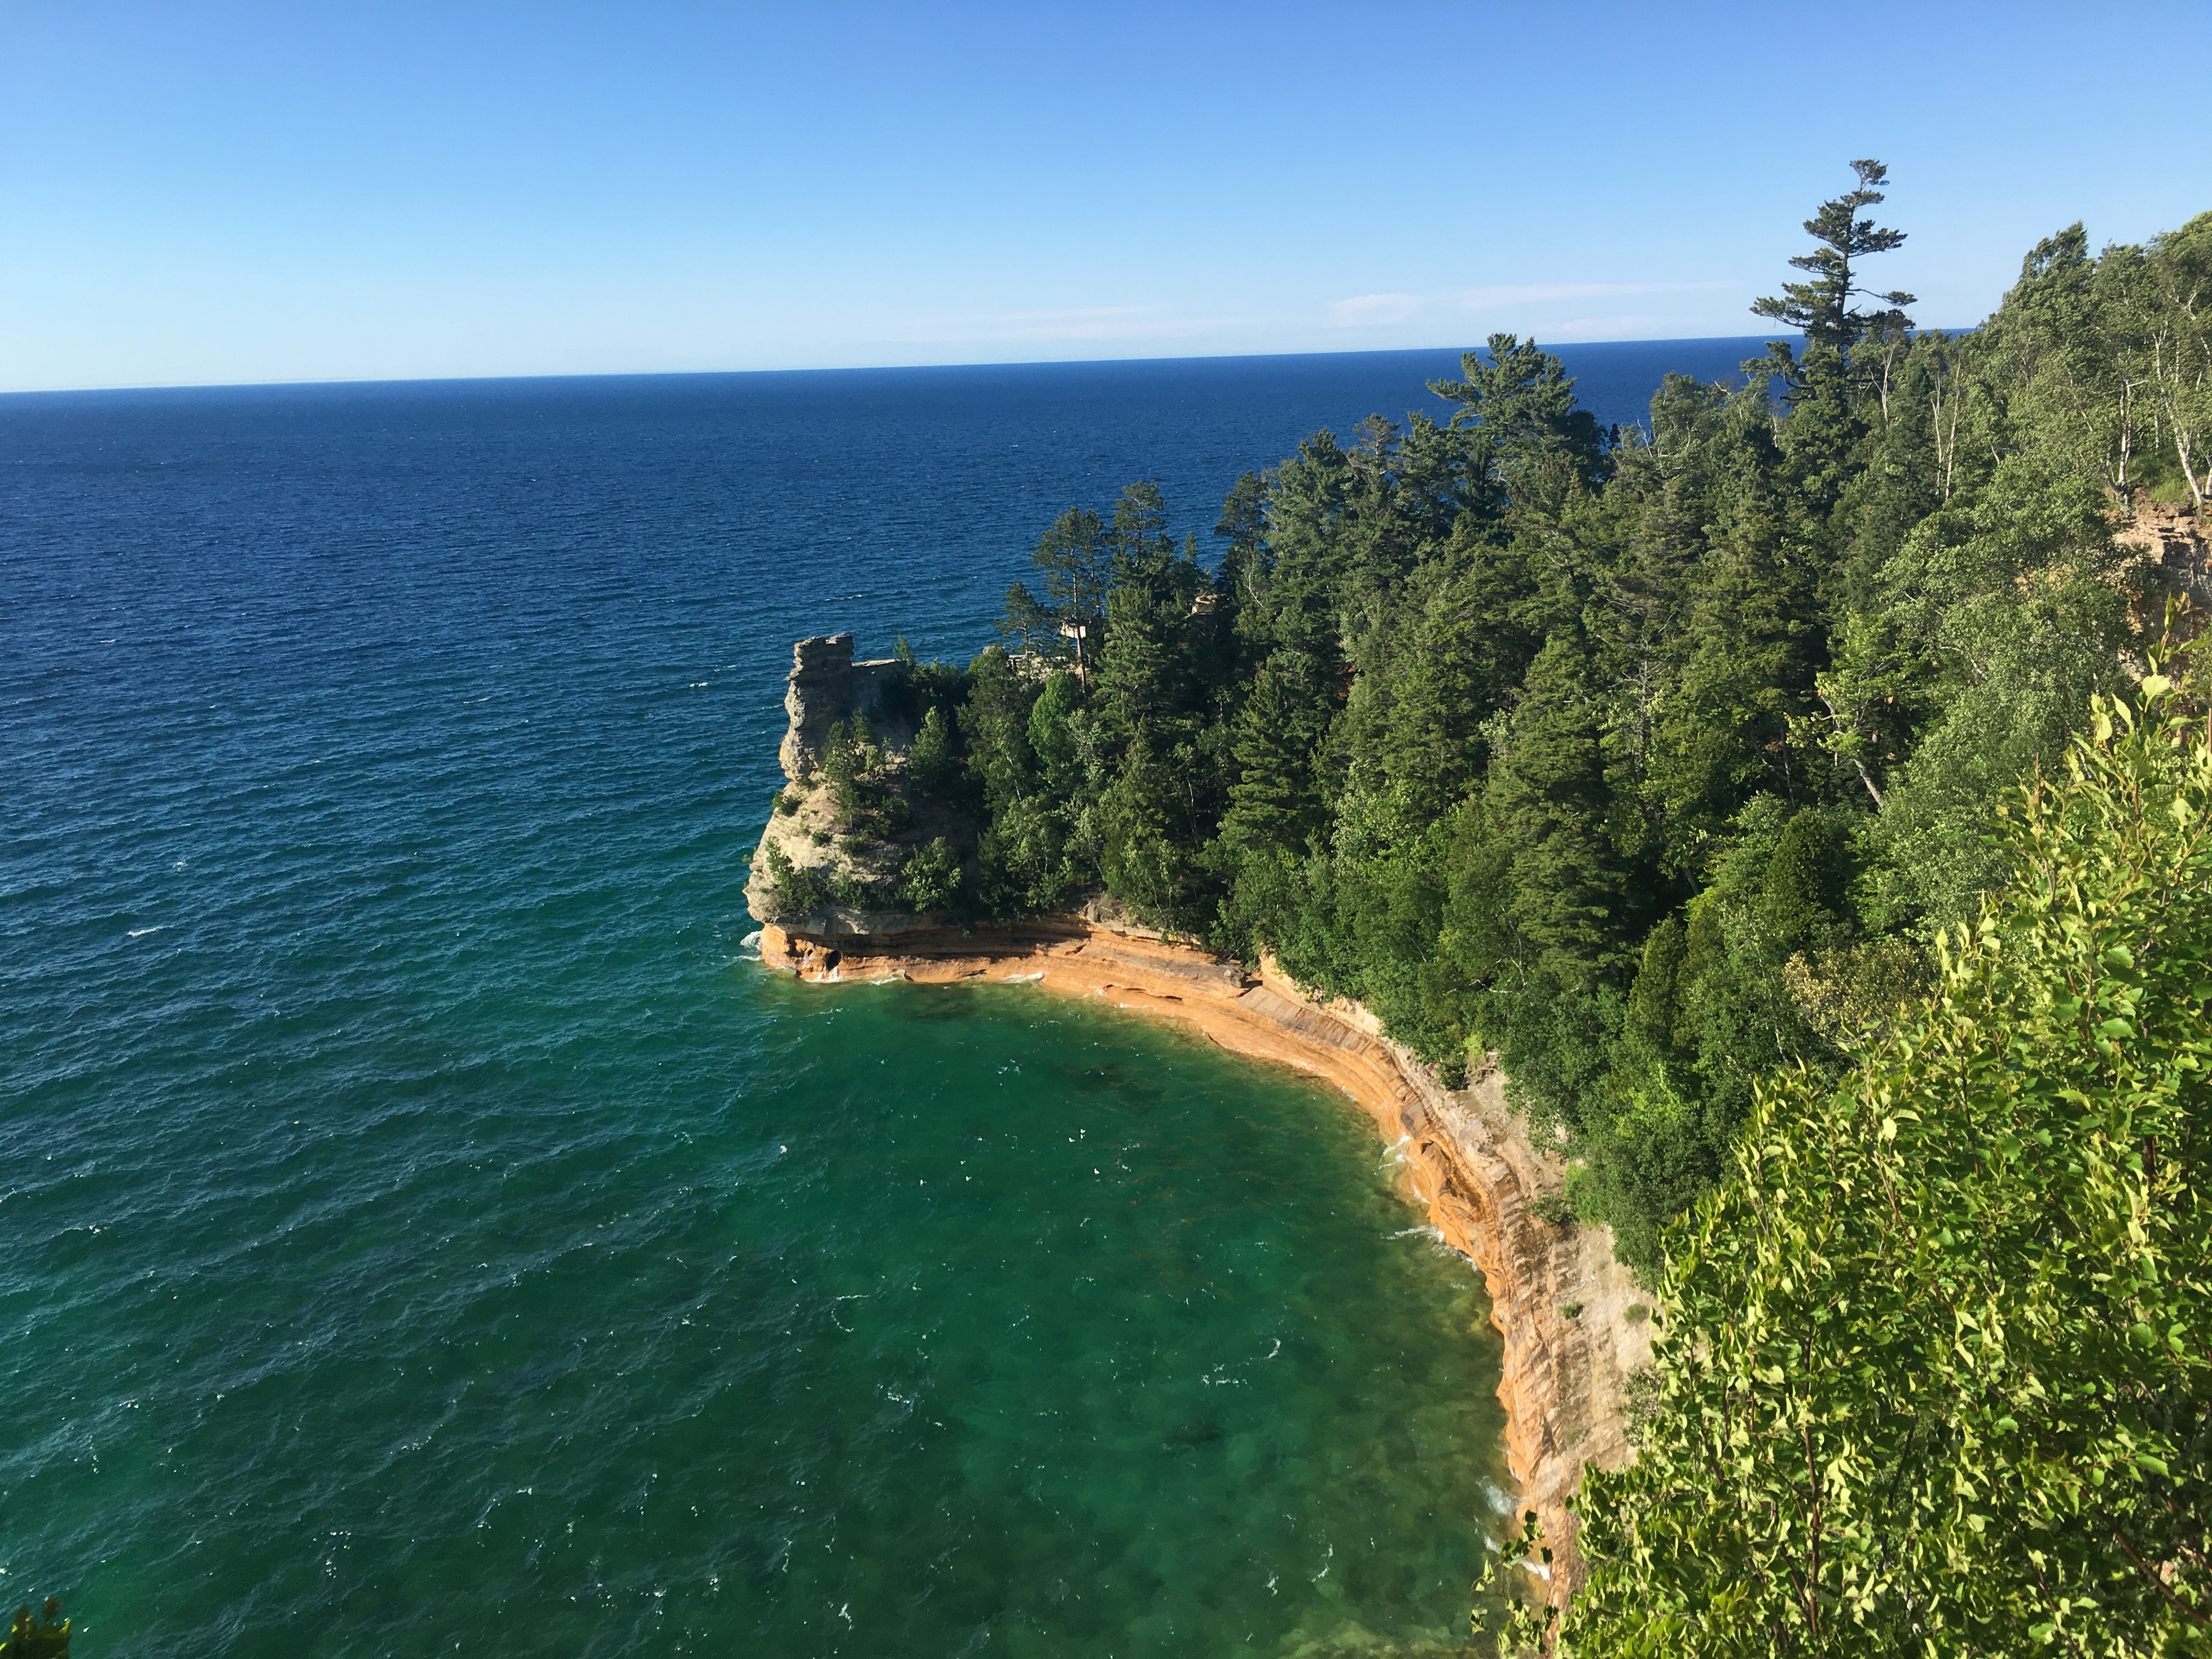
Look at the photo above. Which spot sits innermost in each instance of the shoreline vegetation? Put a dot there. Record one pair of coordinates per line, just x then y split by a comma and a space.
1792, 808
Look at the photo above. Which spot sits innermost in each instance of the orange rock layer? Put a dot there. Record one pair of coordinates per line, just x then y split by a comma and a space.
1557, 1296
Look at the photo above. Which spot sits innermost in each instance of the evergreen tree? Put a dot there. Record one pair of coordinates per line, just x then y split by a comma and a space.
1075, 556
1274, 806
1821, 309
1522, 402
1548, 801
1804, 894
1744, 664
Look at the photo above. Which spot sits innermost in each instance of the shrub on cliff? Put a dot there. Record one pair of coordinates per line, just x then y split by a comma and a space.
1936, 1370
930, 881
855, 764
796, 891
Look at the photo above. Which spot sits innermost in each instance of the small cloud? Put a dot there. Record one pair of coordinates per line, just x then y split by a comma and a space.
1626, 326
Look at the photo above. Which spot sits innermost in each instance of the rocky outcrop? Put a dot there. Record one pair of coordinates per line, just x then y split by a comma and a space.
844, 879
827, 686
2171, 546
1558, 1296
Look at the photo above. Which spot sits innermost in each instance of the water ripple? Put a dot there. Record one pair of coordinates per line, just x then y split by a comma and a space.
415, 1212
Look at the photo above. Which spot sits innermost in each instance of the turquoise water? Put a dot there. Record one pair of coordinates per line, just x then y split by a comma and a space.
421, 1224
745, 1317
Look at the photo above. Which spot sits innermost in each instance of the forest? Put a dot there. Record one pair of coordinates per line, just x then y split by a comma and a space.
1805, 797
1647, 761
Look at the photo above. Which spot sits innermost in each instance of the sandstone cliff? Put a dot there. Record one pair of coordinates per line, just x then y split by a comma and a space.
2172, 554
826, 686
839, 878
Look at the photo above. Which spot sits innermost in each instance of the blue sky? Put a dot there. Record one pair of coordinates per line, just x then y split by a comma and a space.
207, 192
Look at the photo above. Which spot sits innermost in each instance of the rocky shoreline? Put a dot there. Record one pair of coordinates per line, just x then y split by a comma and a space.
1559, 1299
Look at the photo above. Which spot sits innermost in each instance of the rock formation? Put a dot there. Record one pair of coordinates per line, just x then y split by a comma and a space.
815, 870
827, 686
2171, 547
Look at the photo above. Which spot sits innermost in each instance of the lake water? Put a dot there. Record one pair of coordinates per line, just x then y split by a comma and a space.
420, 1223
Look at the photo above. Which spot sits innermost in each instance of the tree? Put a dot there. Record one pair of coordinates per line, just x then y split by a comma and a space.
1147, 667
1523, 401
1933, 1376
930, 882
1076, 558
1821, 308
1547, 800
2179, 327
931, 760
1745, 651
1275, 805
1805, 894
1243, 525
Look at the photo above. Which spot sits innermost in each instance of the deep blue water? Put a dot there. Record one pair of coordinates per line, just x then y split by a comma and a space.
415, 1209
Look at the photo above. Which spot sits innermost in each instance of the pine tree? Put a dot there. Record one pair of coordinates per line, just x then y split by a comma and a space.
1274, 806
1822, 308
1523, 401
1802, 898
1076, 557
1745, 658
1148, 666
1548, 802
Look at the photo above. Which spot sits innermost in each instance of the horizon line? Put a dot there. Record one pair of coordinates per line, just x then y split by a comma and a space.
854, 369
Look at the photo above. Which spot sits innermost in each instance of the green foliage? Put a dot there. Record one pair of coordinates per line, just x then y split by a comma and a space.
933, 761
1505, 1611
1803, 896
46, 1637
1651, 761
868, 809
1075, 558
1275, 804
930, 883
849, 758
1524, 405
1934, 1377
1546, 804
796, 890
1822, 308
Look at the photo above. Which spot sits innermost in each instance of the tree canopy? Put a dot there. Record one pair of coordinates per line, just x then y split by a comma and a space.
1639, 758
1934, 1376
1679, 768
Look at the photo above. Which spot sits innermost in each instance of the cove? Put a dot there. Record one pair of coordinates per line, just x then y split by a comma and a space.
1099, 1341
738, 1314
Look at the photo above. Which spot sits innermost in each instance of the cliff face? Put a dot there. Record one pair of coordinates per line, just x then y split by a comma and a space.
1558, 1296
826, 686
845, 882
2174, 553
